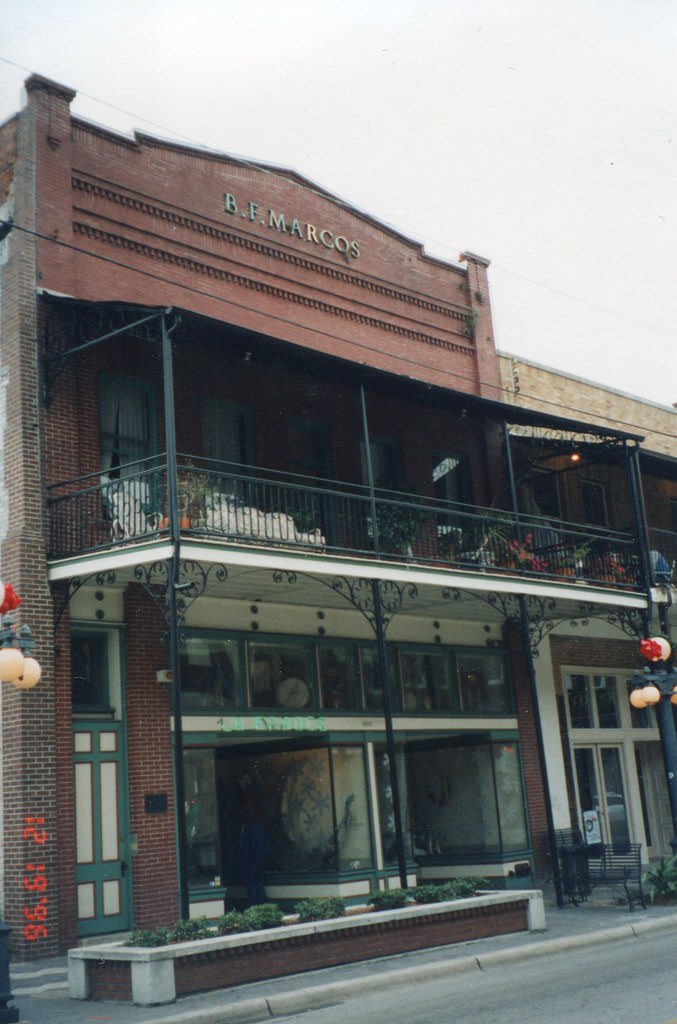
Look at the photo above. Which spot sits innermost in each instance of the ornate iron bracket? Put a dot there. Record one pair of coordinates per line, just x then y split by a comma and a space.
359, 592
542, 614
631, 621
102, 579
193, 580
90, 324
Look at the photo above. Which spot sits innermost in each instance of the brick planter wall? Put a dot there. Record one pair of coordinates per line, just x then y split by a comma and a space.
157, 975
279, 957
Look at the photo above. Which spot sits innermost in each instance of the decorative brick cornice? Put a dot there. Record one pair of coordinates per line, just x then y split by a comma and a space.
180, 219
220, 274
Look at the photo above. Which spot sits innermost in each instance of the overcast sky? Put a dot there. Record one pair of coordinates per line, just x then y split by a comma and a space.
540, 134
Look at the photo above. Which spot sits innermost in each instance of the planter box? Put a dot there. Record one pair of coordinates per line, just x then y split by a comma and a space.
158, 975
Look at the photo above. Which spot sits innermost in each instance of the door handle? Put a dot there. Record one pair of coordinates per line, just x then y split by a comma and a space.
123, 868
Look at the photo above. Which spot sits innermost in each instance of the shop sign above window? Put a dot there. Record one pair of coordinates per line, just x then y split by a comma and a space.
272, 723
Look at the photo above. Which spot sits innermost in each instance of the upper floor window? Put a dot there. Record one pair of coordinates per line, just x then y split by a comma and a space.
386, 464
592, 701
211, 672
308, 448
451, 478
89, 672
540, 495
126, 423
220, 671
426, 681
595, 505
227, 432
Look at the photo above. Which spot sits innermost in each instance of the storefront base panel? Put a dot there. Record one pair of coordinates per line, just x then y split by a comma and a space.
509, 875
146, 977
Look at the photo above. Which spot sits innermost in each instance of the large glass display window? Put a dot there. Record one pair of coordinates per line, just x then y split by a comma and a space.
202, 832
466, 799
211, 672
311, 805
386, 803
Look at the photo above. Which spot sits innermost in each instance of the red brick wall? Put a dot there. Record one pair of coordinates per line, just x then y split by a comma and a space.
148, 224
28, 717
150, 758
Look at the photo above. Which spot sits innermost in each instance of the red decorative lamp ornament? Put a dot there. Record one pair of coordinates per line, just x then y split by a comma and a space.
15, 666
655, 648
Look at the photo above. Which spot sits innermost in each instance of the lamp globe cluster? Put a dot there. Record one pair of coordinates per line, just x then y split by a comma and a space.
654, 649
15, 666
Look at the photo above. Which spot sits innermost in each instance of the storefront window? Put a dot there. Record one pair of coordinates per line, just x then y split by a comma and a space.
372, 691
510, 796
483, 687
352, 810
211, 672
338, 675
426, 681
202, 839
386, 805
280, 675
466, 799
311, 825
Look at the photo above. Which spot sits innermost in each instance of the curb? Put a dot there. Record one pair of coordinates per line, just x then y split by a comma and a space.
313, 997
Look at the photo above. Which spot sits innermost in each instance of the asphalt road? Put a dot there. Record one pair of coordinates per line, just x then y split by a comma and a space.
616, 983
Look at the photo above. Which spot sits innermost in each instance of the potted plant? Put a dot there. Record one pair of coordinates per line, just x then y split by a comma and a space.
399, 521
195, 490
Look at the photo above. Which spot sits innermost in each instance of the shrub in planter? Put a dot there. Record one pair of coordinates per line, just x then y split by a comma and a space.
454, 889
230, 923
320, 908
149, 937
389, 899
263, 915
187, 931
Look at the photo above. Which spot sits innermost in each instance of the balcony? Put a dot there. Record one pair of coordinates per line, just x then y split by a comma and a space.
233, 505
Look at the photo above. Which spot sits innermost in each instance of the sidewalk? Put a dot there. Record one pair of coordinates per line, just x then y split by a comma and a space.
40, 990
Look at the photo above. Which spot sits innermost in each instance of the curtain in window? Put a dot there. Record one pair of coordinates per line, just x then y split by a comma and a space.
125, 426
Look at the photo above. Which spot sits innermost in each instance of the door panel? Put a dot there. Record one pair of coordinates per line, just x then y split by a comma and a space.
599, 777
654, 791
103, 885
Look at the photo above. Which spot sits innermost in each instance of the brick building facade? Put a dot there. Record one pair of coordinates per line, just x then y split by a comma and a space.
287, 553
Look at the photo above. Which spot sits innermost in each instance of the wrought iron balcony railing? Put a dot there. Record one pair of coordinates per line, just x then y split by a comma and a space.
259, 507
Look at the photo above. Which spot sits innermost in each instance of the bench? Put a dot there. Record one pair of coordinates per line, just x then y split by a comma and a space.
581, 867
617, 864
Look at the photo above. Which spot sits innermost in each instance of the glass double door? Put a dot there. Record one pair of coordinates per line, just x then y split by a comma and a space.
602, 793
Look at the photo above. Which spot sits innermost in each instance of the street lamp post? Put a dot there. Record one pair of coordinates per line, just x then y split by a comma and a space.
656, 686
23, 671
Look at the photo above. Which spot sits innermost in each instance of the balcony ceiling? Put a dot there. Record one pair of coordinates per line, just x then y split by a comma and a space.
276, 577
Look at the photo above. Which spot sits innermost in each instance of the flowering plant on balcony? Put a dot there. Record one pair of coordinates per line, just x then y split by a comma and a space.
608, 568
520, 553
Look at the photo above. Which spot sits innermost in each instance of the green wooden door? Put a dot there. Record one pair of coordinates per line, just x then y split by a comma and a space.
102, 858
